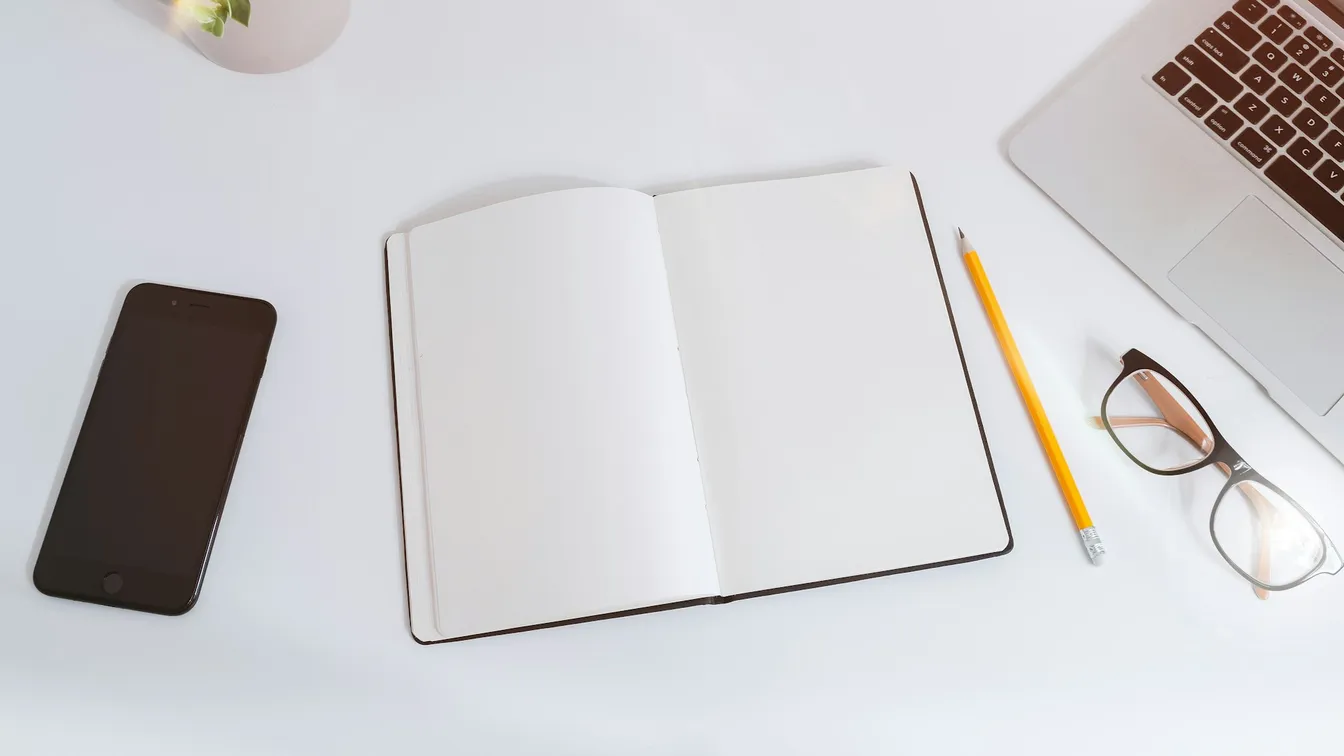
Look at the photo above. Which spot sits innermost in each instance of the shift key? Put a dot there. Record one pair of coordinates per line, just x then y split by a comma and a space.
1213, 76
1254, 147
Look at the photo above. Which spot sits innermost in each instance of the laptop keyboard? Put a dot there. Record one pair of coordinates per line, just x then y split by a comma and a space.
1269, 85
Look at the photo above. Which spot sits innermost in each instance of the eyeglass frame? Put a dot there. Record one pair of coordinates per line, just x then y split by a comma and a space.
1220, 453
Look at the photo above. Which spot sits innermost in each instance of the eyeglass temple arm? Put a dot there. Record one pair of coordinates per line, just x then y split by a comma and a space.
1141, 422
1177, 419
1173, 412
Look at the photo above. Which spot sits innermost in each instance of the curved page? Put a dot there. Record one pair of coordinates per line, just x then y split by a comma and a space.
559, 463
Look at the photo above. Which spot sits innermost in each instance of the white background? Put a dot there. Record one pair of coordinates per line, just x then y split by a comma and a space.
126, 156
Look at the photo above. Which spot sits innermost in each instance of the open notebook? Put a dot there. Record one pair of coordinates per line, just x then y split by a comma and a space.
609, 403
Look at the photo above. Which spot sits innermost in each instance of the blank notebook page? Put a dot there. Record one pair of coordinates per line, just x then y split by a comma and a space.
560, 466
836, 431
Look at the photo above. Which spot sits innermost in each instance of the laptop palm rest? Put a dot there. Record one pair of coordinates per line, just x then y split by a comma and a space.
1282, 300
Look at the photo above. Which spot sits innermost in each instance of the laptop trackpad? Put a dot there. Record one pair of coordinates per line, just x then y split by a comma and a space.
1276, 295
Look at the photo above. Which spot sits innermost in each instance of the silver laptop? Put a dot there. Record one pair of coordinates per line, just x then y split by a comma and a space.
1204, 146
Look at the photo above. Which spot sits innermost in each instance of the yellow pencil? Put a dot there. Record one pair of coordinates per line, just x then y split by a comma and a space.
1091, 541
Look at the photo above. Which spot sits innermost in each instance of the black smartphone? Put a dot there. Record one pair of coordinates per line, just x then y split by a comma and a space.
142, 496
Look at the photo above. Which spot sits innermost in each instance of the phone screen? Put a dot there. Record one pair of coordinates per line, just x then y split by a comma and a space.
147, 478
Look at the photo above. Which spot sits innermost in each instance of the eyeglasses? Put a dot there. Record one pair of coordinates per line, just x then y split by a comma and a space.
1266, 536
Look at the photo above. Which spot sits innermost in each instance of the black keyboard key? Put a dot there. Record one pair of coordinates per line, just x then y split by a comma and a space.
1323, 100
1304, 190
1218, 48
1330, 174
1301, 50
1337, 55
1278, 131
1327, 72
1254, 147
1251, 108
1258, 79
1252, 10
1197, 100
1296, 78
1270, 3
1224, 122
1334, 144
1311, 124
1338, 120
1276, 29
1318, 38
1284, 101
1172, 78
1211, 74
1306, 153
1292, 17
1238, 31
1271, 57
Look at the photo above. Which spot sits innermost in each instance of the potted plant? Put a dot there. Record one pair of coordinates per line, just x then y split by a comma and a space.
278, 36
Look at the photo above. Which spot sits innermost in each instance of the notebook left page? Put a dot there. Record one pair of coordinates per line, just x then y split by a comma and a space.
556, 461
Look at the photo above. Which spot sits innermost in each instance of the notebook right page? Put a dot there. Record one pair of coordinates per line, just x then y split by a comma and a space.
833, 417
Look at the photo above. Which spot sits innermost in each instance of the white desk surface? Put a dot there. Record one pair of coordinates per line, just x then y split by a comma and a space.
126, 156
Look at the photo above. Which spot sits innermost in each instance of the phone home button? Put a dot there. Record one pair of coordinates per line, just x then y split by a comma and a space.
112, 583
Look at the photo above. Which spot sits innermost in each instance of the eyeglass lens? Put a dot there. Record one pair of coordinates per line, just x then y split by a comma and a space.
1157, 423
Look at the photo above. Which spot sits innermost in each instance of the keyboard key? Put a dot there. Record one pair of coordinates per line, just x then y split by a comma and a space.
1327, 72
1334, 144
1278, 131
1276, 29
1284, 101
1251, 10
1224, 122
1254, 147
1257, 78
1251, 108
1296, 78
1301, 50
1238, 31
1330, 174
1292, 17
1270, 56
1304, 190
1218, 48
1311, 124
1318, 38
1323, 100
1270, 3
1197, 100
1337, 55
1306, 153
1172, 78
1211, 74
1338, 120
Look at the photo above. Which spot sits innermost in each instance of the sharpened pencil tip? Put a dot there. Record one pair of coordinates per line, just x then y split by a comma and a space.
961, 233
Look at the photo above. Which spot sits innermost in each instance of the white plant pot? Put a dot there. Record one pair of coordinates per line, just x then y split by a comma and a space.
281, 35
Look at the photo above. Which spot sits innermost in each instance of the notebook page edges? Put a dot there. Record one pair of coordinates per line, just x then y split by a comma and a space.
415, 531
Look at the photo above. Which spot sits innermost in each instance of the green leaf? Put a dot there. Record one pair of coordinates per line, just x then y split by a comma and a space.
215, 26
242, 10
